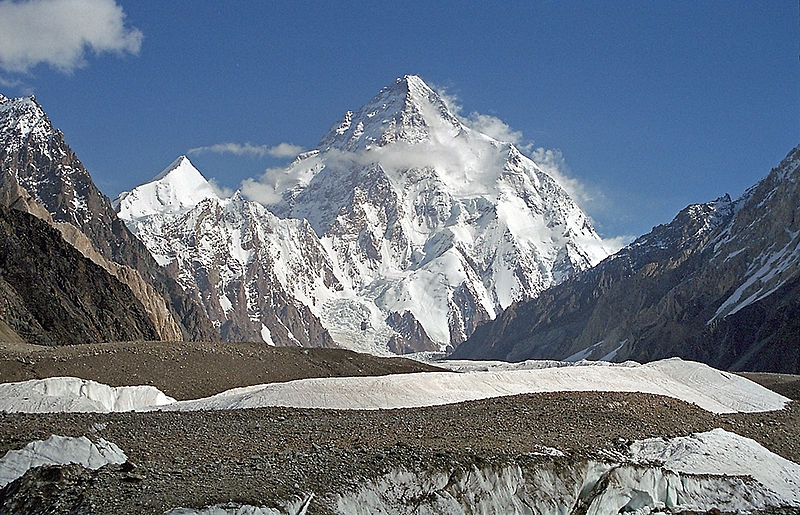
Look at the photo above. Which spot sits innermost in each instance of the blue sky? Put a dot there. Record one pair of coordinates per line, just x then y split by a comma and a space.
653, 105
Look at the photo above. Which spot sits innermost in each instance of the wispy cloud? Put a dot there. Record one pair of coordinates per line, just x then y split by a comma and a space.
59, 33
281, 150
615, 243
270, 186
498, 129
284, 150
487, 124
550, 160
237, 149
16, 84
553, 163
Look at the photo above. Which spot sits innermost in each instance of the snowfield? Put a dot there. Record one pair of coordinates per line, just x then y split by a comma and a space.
711, 389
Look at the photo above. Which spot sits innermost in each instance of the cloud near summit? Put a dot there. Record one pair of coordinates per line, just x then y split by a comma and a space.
59, 33
282, 150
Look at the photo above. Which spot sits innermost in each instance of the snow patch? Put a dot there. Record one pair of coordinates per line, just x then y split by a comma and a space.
72, 394
59, 450
266, 335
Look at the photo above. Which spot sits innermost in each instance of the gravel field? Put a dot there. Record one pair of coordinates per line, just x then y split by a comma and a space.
188, 370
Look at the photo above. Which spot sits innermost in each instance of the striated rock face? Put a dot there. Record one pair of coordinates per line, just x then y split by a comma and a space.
719, 284
50, 294
41, 175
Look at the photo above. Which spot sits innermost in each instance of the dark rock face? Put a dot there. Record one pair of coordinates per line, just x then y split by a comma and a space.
38, 158
50, 294
410, 336
719, 284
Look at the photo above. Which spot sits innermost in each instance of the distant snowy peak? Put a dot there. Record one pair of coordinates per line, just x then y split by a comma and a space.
408, 110
175, 190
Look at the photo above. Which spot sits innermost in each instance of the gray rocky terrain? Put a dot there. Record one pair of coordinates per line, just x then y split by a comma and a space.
41, 175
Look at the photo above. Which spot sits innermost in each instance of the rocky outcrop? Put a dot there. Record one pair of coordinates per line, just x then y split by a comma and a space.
39, 169
50, 294
409, 334
718, 284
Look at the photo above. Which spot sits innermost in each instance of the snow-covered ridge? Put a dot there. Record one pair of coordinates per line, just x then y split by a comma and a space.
408, 110
711, 389
432, 222
771, 259
423, 228
19, 117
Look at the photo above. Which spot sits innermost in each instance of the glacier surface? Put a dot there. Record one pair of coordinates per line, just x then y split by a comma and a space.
711, 389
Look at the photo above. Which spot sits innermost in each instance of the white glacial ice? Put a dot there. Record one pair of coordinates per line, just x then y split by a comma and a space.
711, 389
59, 450
72, 394
715, 469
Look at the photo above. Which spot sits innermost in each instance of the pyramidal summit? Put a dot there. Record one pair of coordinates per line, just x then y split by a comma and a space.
400, 232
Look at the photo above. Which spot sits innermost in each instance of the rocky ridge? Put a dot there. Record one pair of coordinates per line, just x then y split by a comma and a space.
41, 175
252, 271
50, 294
719, 284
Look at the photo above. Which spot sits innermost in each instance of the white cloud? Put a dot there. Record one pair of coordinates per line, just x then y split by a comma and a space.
553, 163
284, 150
498, 129
220, 190
59, 32
451, 100
615, 243
281, 150
238, 149
487, 124
268, 188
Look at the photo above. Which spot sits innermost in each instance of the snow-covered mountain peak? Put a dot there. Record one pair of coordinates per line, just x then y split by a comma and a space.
416, 229
408, 111
177, 189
